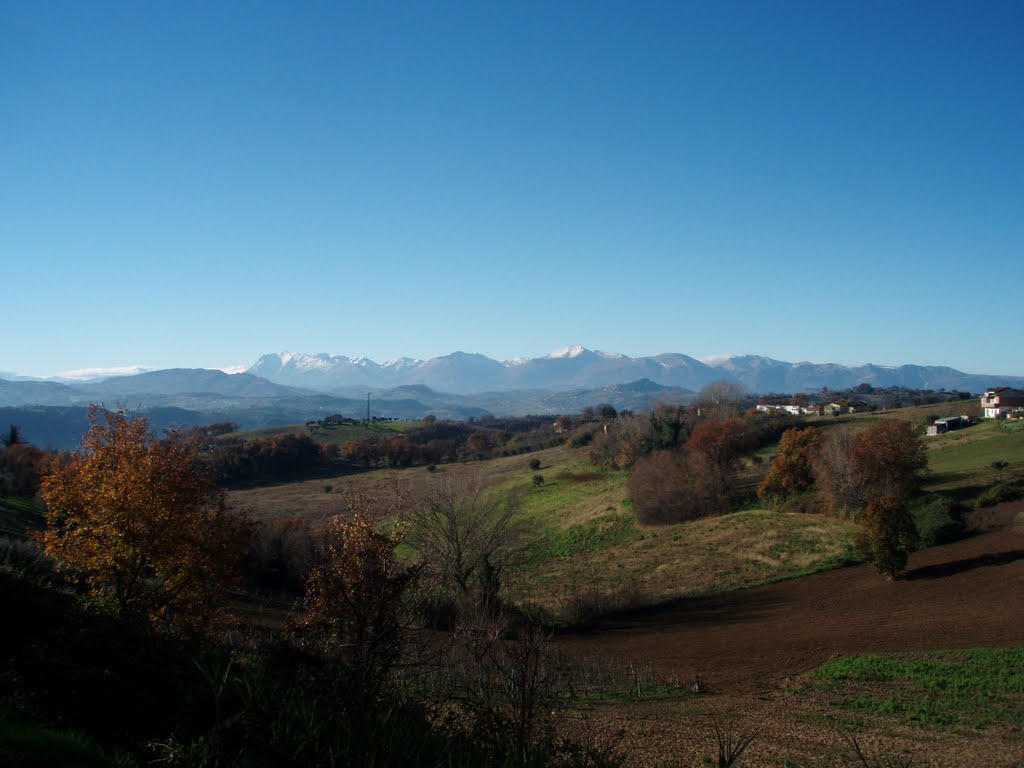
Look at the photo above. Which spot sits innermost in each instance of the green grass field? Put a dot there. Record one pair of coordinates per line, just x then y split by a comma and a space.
964, 458
972, 689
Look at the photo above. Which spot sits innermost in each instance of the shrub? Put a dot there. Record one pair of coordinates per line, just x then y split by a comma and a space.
24, 556
888, 536
804, 504
933, 519
280, 555
535, 464
672, 486
997, 494
581, 438
538, 480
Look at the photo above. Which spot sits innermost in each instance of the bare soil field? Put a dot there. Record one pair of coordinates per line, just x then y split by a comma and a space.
754, 647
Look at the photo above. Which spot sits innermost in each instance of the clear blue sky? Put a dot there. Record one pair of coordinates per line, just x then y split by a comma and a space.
196, 184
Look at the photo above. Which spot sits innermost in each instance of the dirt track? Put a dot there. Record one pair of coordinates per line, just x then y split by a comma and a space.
962, 595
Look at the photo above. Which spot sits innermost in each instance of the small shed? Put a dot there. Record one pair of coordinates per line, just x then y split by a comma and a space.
946, 424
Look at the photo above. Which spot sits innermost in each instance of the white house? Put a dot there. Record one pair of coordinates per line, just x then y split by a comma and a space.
1000, 402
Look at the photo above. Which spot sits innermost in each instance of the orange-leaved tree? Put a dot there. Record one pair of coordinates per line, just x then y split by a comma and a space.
138, 520
890, 455
791, 470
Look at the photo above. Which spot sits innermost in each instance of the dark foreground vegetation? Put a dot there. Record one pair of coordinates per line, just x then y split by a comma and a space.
122, 636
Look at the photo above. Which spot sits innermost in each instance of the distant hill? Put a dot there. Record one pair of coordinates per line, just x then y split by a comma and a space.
63, 427
175, 381
36, 393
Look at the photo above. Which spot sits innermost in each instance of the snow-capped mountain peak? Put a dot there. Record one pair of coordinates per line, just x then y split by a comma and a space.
566, 352
363, 362
398, 363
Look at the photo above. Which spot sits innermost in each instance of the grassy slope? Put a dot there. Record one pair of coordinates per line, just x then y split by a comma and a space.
581, 533
963, 459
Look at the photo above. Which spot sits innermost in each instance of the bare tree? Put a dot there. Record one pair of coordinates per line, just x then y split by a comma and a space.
721, 399
465, 534
620, 444
836, 474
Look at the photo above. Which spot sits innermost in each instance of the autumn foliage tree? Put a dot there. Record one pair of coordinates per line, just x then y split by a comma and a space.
692, 481
886, 459
890, 456
791, 470
141, 524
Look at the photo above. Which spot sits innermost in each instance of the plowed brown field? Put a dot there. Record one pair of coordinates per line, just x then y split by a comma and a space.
750, 645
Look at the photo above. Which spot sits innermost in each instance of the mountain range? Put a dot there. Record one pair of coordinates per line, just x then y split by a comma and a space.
576, 367
288, 388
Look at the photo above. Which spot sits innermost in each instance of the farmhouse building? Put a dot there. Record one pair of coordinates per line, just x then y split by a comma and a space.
790, 408
844, 406
947, 424
1001, 402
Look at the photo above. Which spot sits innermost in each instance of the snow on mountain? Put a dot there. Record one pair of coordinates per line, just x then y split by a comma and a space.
576, 367
401, 363
364, 362
567, 352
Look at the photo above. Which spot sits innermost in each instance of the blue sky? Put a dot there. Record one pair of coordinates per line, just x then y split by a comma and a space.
196, 184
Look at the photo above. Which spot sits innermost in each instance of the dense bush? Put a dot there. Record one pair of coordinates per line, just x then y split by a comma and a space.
999, 493
280, 555
809, 503
888, 536
672, 486
25, 557
934, 521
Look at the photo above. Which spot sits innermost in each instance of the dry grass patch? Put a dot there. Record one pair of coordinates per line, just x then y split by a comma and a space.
700, 557
309, 499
